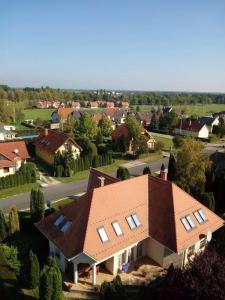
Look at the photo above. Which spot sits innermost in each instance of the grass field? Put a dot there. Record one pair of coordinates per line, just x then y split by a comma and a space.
198, 109
167, 142
17, 190
34, 113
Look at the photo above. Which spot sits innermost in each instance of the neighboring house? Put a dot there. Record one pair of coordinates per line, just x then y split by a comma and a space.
50, 142
61, 115
12, 154
209, 122
192, 128
122, 130
117, 222
120, 117
73, 104
92, 104
110, 113
6, 132
144, 118
96, 117
110, 104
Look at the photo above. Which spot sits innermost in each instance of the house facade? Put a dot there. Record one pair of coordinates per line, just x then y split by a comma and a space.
210, 122
190, 128
61, 115
51, 142
117, 222
12, 155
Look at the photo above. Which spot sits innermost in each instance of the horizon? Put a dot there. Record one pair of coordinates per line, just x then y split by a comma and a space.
139, 46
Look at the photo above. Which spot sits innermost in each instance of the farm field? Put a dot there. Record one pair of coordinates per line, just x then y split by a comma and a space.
198, 109
34, 113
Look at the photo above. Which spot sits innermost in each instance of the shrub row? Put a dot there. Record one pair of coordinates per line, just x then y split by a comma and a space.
83, 163
27, 174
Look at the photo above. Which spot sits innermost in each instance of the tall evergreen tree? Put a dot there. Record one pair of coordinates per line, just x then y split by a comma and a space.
171, 168
147, 170
37, 205
3, 227
45, 285
14, 223
56, 279
33, 270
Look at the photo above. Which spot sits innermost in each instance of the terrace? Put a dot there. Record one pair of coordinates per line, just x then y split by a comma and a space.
141, 272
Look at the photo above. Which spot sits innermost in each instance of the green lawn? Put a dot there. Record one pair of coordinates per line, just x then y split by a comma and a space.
167, 142
59, 204
17, 190
34, 113
198, 109
84, 174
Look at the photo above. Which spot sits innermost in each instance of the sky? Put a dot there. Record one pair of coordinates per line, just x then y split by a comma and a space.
170, 45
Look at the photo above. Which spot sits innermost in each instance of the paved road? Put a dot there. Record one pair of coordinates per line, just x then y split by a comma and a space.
62, 190
211, 148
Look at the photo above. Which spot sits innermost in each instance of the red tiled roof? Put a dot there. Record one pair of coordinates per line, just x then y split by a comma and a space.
63, 112
194, 126
52, 141
96, 117
94, 181
159, 204
111, 111
13, 151
120, 131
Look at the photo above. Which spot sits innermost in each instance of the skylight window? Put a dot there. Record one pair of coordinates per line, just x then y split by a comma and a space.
190, 221
186, 224
103, 235
117, 228
66, 226
200, 216
130, 222
59, 220
136, 220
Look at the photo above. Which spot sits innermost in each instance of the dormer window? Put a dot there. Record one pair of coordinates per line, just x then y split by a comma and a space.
102, 233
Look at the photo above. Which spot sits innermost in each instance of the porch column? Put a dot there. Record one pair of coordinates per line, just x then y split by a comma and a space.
94, 274
135, 253
75, 276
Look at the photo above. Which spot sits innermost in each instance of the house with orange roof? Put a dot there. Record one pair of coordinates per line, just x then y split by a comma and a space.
50, 142
61, 115
12, 155
122, 131
116, 223
92, 104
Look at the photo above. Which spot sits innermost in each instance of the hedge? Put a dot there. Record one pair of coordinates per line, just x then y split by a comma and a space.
83, 163
27, 174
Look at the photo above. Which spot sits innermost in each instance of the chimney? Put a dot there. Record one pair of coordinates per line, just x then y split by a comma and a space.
46, 132
163, 172
102, 180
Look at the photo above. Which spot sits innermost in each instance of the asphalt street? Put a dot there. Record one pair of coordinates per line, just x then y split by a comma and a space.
62, 190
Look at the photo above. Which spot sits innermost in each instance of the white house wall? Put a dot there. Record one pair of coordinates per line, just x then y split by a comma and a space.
58, 255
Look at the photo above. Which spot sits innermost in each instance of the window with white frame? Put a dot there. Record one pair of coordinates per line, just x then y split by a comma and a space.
200, 216
136, 220
130, 222
103, 235
117, 228
188, 222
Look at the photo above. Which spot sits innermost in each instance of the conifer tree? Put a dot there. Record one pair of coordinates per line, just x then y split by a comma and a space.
33, 270
147, 170
14, 224
3, 227
45, 285
37, 205
171, 168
